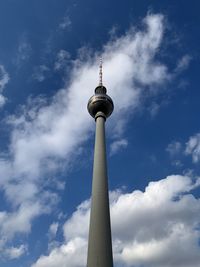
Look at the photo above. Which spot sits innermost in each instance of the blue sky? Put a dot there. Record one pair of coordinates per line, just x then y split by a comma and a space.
49, 57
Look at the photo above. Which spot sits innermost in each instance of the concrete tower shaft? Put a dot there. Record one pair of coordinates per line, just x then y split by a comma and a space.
100, 244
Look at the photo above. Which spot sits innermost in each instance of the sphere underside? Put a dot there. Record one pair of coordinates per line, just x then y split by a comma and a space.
100, 103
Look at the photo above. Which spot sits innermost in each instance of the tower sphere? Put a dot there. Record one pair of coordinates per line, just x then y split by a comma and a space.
100, 102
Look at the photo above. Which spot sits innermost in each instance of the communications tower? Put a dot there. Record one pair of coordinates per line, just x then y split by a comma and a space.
100, 106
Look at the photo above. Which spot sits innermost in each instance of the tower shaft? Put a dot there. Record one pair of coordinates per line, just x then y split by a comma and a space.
100, 242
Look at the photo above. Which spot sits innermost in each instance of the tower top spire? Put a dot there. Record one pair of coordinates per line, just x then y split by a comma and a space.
100, 101
101, 72
100, 89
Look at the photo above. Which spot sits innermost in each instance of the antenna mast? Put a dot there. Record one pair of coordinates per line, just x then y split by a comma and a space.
101, 72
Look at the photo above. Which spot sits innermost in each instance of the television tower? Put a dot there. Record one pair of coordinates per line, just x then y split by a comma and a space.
100, 106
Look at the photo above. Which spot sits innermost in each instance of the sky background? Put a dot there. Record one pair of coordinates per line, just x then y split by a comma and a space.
49, 58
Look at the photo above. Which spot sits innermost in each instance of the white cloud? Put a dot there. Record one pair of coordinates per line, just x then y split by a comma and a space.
193, 147
19, 221
157, 227
2, 100
70, 255
174, 148
48, 133
65, 23
190, 148
4, 79
15, 252
183, 63
154, 108
117, 145
53, 230
24, 51
61, 60
40, 73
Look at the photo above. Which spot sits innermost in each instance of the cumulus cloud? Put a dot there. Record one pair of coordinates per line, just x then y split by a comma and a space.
118, 145
193, 147
4, 79
48, 133
72, 255
157, 227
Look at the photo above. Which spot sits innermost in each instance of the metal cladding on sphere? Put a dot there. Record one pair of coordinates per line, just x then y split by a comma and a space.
100, 102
